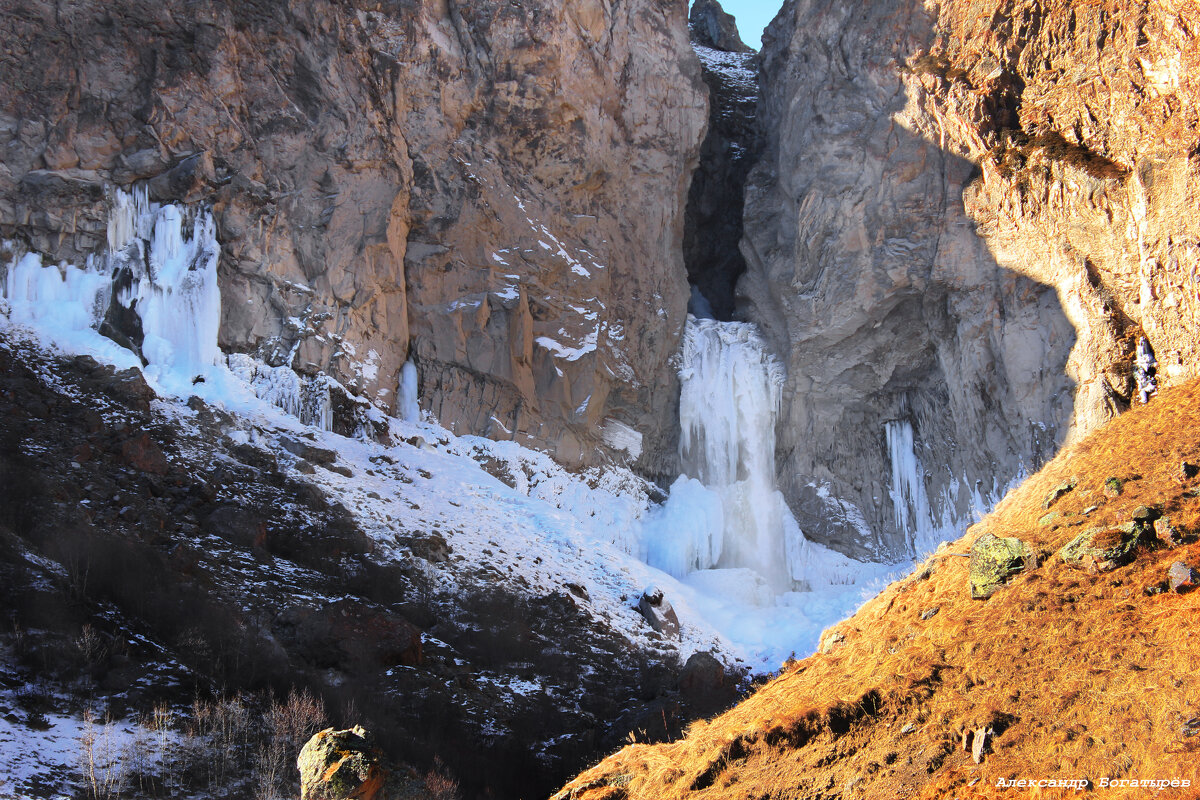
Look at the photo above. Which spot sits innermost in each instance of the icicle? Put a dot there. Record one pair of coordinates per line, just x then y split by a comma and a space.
316, 404
408, 407
127, 221
924, 528
910, 502
1144, 370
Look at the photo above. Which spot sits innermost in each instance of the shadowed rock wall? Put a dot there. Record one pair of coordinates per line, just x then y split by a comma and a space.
963, 219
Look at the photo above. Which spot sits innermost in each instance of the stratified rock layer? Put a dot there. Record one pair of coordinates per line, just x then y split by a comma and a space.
964, 219
495, 189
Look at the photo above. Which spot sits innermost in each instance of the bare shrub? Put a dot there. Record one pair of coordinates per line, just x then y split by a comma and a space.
102, 768
439, 784
227, 732
288, 726
91, 646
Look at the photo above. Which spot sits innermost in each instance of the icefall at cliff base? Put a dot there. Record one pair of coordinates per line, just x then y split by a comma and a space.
508, 513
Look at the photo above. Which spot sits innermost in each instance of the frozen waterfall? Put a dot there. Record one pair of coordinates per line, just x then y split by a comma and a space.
161, 264
153, 293
725, 514
729, 397
725, 530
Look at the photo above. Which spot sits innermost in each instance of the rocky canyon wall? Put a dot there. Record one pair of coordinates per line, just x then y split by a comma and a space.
495, 190
965, 216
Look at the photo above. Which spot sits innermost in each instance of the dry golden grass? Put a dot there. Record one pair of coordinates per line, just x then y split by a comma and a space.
1082, 675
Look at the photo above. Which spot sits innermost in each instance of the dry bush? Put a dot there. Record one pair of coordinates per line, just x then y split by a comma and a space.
104, 771
288, 726
224, 733
439, 784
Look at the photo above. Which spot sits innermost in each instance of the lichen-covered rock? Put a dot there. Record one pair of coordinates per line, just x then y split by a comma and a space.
339, 765
1059, 491
1103, 549
994, 560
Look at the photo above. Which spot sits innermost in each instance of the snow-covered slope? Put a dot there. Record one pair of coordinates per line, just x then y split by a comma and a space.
476, 534
506, 512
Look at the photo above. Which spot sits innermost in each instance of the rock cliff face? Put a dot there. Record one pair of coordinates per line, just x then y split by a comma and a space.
712, 27
495, 190
962, 223
713, 222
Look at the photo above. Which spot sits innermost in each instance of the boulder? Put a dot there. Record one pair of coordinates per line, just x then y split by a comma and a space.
1104, 548
658, 612
994, 560
1182, 578
703, 674
705, 685
308, 452
339, 765
143, 453
1167, 533
1145, 515
1058, 491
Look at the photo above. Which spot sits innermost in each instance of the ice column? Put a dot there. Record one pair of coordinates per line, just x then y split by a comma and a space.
730, 394
910, 503
408, 407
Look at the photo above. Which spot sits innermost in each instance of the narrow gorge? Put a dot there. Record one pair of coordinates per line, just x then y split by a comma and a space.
521, 381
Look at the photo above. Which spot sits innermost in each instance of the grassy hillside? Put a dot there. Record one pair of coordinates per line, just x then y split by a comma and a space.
1074, 671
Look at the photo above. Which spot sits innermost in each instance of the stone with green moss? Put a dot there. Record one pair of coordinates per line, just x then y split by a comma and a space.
994, 560
1058, 491
1112, 487
336, 765
1104, 548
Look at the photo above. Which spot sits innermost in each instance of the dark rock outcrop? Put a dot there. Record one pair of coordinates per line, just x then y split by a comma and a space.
713, 27
713, 223
226, 569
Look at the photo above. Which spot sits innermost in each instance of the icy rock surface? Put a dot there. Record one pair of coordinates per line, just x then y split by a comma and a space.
160, 269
